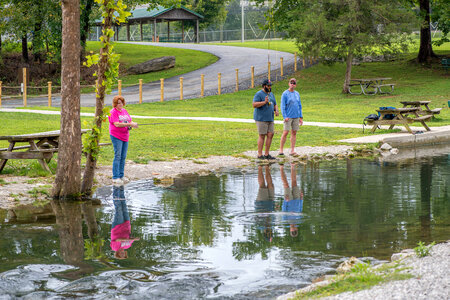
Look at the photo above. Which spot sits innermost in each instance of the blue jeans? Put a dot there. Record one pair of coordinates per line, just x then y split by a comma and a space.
120, 204
120, 154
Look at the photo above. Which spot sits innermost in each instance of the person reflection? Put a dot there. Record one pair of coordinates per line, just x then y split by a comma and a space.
121, 226
293, 200
265, 200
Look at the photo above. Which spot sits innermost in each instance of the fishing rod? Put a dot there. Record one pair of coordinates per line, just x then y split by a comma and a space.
146, 124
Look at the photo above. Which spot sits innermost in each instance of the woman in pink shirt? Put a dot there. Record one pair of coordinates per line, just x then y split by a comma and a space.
119, 125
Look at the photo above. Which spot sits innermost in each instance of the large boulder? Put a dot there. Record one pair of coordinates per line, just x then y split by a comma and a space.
156, 64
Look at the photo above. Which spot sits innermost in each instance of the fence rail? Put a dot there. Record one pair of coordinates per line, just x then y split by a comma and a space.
53, 90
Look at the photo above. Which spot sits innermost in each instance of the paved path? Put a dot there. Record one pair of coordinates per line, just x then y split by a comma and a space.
359, 140
230, 58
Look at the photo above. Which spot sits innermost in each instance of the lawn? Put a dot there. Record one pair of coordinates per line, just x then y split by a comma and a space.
169, 139
132, 54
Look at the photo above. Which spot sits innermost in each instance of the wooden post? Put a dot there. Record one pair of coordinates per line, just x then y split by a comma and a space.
310, 61
49, 93
219, 77
281, 66
0, 94
140, 91
162, 89
119, 87
24, 87
268, 70
253, 76
237, 80
295, 62
202, 85
181, 88
303, 62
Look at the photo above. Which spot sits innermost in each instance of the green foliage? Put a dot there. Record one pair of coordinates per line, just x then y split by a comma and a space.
421, 250
440, 13
92, 137
94, 249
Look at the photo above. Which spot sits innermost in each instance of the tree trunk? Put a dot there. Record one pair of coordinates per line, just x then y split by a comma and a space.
25, 47
426, 49
67, 181
91, 161
348, 72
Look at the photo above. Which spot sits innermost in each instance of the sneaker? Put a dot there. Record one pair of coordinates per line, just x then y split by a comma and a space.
117, 181
261, 157
269, 157
125, 179
281, 154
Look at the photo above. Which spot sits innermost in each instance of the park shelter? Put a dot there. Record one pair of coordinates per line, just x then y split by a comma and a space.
140, 16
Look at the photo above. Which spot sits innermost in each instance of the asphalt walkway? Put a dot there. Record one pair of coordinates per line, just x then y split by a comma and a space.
230, 58
359, 140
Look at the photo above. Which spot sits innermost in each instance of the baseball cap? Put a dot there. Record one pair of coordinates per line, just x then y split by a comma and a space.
293, 79
266, 82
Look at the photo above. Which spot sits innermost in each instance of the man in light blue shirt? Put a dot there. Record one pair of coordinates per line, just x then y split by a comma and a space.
291, 108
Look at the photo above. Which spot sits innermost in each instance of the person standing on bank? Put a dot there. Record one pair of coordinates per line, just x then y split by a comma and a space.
265, 106
119, 125
291, 108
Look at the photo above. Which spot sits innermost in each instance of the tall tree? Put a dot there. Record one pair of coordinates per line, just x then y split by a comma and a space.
68, 173
425, 50
343, 29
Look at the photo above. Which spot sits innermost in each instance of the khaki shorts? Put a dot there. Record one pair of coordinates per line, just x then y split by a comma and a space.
292, 193
292, 124
265, 127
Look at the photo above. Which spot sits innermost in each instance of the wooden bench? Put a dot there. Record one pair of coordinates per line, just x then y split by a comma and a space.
401, 118
370, 86
391, 85
423, 107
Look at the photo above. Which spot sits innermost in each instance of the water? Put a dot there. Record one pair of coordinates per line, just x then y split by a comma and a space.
228, 235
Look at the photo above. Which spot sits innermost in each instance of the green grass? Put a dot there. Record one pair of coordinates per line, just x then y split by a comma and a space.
360, 278
132, 54
169, 140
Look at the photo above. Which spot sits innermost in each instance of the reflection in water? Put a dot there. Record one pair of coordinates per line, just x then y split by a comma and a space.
240, 235
121, 226
293, 201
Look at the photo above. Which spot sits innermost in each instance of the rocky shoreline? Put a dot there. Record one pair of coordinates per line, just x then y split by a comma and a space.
22, 190
429, 280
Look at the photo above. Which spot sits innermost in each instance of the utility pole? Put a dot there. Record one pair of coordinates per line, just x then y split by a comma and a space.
242, 17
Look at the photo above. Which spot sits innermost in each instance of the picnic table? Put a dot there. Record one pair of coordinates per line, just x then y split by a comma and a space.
423, 107
371, 86
400, 118
41, 146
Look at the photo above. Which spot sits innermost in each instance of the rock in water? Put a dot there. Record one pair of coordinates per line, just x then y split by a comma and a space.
156, 64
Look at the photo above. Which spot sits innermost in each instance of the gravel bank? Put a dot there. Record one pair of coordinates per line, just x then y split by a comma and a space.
431, 280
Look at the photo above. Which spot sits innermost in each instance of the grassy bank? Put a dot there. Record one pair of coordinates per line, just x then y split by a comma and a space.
132, 54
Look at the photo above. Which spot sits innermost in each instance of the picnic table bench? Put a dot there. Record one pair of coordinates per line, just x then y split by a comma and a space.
41, 146
423, 107
371, 86
400, 118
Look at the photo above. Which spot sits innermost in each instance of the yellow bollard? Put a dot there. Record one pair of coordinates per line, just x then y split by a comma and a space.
219, 77
268, 70
49, 93
162, 89
281, 66
181, 88
0, 94
140, 91
310, 61
253, 76
237, 80
202, 85
24, 87
295, 62
119, 87
303, 62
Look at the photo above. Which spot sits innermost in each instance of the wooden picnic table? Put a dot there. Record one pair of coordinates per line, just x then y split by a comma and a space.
371, 86
400, 118
423, 107
41, 146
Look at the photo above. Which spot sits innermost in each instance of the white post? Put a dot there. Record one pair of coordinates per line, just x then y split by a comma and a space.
242, 17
